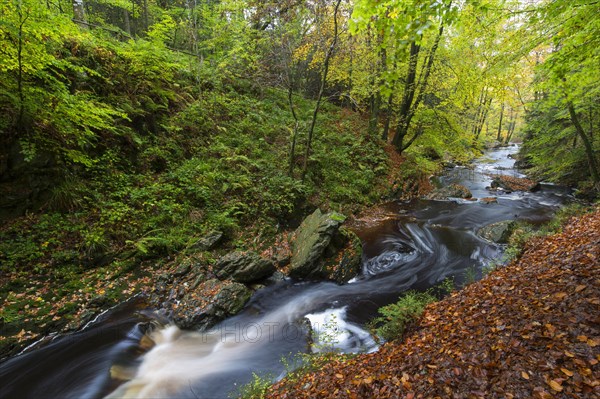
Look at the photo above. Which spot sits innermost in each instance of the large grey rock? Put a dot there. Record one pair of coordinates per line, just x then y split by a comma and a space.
231, 299
498, 232
346, 260
209, 241
315, 248
243, 267
211, 302
451, 191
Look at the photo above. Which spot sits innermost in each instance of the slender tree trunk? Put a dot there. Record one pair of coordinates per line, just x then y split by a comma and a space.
126, 22
79, 13
407, 98
20, 90
589, 150
376, 96
484, 114
482, 100
511, 127
295, 131
388, 117
321, 90
499, 135
374, 116
408, 108
145, 15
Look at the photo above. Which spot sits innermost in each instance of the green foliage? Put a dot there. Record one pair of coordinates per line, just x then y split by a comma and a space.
397, 317
470, 275
255, 389
567, 80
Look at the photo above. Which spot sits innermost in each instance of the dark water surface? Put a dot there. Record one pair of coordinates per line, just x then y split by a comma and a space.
412, 245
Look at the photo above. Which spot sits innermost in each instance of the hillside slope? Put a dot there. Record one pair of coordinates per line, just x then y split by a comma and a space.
530, 329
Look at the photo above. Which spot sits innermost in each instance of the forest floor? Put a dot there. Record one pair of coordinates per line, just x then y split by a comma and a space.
529, 329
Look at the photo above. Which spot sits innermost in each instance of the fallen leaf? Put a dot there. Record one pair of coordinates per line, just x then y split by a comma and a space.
567, 372
555, 385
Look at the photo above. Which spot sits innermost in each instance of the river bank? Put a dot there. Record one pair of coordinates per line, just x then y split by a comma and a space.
52, 283
529, 329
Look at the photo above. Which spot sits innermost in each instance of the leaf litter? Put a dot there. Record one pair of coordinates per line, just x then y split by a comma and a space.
530, 329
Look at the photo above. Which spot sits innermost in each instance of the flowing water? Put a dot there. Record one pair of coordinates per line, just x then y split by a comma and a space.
409, 245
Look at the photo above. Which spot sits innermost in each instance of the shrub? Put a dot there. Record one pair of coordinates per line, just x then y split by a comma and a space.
397, 317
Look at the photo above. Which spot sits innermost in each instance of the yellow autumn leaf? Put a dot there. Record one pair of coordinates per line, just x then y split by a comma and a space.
566, 372
524, 375
555, 385
561, 295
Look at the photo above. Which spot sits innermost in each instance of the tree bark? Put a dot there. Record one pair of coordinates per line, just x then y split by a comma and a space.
22, 19
388, 116
484, 113
79, 13
511, 127
407, 107
499, 135
321, 89
126, 22
294, 132
407, 98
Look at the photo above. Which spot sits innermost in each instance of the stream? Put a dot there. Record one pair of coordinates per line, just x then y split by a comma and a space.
408, 245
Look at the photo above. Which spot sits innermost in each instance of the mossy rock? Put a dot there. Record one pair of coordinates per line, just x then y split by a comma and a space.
309, 243
451, 191
243, 267
498, 232
346, 261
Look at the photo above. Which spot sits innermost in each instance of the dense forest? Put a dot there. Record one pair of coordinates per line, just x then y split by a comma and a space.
131, 129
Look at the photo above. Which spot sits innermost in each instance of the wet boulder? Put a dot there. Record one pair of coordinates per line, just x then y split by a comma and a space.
231, 299
212, 301
320, 249
346, 256
498, 232
243, 267
451, 191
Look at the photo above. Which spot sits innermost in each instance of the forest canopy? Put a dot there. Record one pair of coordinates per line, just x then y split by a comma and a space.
94, 84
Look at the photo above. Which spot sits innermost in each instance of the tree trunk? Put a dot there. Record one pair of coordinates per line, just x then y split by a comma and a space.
321, 89
376, 97
388, 117
22, 19
484, 114
375, 105
407, 107
482, 100
407, 98
499, 135
79, 13
295, 131
511, 127
126, 22
145, 15
589, 151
